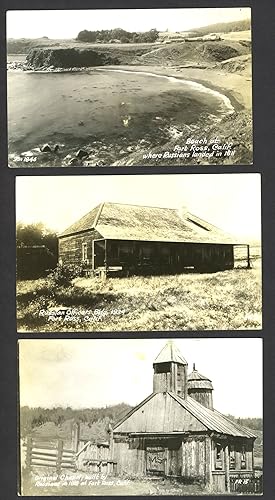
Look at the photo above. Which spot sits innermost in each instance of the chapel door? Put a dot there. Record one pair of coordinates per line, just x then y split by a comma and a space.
155, 460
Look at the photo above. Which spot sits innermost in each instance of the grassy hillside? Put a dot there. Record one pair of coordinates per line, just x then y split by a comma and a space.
224, 27
205, 53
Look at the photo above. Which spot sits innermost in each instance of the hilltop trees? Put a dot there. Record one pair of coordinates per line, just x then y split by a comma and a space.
117, 34
95, 420
36, 234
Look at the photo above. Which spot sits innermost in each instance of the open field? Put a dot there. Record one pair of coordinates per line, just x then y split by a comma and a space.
218, 301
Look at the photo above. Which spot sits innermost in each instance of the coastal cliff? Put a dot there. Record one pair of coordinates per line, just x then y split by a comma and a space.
175, 54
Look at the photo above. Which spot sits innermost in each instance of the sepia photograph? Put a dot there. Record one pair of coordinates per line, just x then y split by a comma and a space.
140, 417
129, 87
138, 253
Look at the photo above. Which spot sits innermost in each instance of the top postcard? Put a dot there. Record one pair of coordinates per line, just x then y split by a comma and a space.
131, 87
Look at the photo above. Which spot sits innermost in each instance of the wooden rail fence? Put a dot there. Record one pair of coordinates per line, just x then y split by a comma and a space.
96, 458
42, 453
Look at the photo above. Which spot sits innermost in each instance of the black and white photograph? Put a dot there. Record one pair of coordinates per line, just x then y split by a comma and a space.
141, 417
138, 253
129, 87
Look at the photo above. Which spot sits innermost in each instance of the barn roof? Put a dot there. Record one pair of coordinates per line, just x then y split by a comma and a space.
169, 353
196, 380
135, 222
169, 413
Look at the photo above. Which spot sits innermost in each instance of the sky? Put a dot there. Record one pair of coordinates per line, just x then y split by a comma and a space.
97, 372
231, 202
68, 23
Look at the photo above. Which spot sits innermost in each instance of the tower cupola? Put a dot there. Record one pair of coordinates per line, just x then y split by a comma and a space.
200, 388
170, 371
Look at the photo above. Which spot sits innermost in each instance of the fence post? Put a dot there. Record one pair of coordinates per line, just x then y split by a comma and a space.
29, 453
75, 436
59, 456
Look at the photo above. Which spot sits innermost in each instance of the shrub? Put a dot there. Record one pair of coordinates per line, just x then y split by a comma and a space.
64, 274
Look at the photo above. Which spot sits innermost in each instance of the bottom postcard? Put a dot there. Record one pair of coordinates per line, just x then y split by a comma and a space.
140, 417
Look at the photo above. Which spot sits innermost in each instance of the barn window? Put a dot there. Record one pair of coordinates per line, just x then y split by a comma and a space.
84, 252
218, 457
243, 457
232, 457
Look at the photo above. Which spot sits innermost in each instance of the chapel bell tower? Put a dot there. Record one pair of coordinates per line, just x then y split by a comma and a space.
170, 371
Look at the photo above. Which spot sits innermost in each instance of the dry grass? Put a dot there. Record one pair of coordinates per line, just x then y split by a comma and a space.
105, 486
229, 300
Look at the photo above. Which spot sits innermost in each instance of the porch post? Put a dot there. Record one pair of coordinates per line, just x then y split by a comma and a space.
166, 463
208, 463
93, 255
105, 257
105, 250
248, 258
226, 468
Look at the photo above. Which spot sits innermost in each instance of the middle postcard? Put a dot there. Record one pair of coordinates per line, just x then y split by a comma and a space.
139, 253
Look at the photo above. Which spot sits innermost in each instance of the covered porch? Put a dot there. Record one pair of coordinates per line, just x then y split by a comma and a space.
126, 257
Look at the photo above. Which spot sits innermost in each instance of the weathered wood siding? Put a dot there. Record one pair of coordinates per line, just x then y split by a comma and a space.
174, 456
70, 247
194, 458
218, 482
170, 377
189, 457
130, 457
171, 417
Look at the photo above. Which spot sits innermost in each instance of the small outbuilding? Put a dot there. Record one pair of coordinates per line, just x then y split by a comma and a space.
133, 239
176, 432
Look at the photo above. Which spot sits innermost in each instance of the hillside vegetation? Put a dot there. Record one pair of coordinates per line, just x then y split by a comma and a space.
205, 53
224, 27
57, 421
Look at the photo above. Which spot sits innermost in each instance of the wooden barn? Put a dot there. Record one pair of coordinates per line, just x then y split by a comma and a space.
133, 239
176, 432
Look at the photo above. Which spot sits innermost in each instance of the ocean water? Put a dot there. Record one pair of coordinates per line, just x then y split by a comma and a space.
101, 104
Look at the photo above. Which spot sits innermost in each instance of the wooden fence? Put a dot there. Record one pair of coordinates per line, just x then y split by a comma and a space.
240, 255
45, 453
96, 458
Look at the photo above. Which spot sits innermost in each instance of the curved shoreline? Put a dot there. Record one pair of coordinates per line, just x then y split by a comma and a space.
230, 85
229, 89
191, 83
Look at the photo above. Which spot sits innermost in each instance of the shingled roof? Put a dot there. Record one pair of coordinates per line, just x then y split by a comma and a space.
135, 222
196, 380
